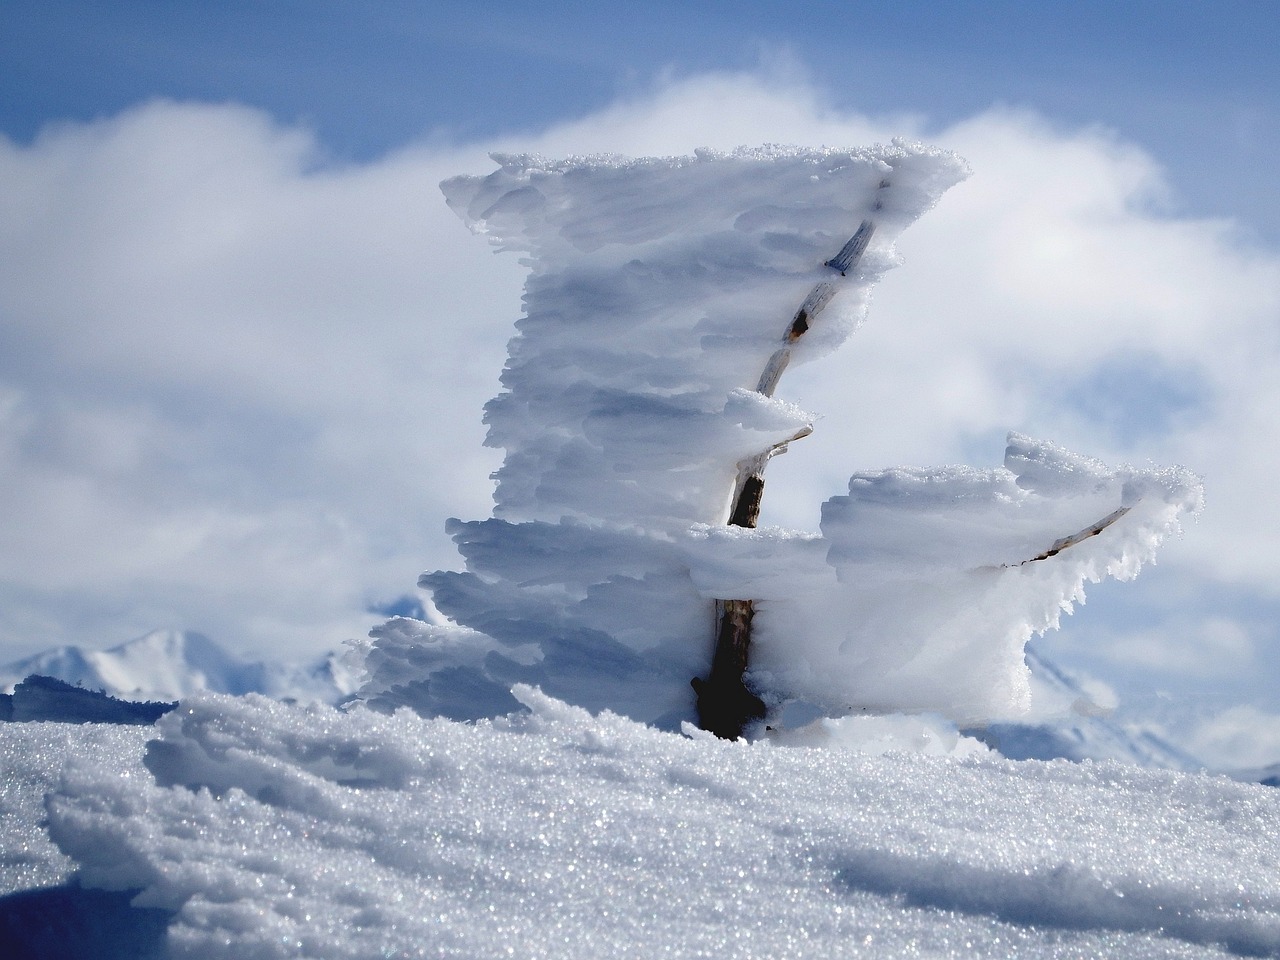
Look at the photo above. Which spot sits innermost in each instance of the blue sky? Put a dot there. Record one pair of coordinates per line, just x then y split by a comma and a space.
244, 346
1197, 83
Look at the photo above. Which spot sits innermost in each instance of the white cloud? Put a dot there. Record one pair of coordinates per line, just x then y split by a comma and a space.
1239, 738
241, 392
1208, 647
240, 389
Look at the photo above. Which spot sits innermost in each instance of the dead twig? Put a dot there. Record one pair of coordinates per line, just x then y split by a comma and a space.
725, 705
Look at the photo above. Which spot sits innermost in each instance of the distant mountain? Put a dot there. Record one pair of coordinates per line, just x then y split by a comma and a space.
1069, 725
168, 665
39, 698
1267, 776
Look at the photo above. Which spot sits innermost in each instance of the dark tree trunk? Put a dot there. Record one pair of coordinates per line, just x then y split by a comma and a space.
726, 706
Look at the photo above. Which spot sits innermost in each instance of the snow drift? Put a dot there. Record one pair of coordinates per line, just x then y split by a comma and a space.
271, 831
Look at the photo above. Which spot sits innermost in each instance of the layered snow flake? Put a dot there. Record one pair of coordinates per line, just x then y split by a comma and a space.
658, 291
665, 299
934, 580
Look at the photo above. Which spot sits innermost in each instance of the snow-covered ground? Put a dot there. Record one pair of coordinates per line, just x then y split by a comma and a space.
263, 829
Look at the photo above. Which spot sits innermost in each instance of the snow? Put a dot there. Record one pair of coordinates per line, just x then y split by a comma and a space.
639, 389
275, 830
31, 754
520, 776
931, 590
659, 289
170, 664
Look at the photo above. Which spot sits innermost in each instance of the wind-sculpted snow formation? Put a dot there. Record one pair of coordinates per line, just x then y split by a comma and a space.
660, 291
925, 586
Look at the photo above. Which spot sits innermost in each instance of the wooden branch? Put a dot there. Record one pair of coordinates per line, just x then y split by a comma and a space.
725, 705
1065, 542
751, 471
852, 251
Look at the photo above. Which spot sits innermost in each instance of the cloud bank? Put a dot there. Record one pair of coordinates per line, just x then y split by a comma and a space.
240, 386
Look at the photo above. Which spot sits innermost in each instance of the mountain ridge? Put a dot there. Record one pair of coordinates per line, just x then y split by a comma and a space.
168, 665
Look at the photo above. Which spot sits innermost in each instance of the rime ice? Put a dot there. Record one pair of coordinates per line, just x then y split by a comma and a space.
659, 292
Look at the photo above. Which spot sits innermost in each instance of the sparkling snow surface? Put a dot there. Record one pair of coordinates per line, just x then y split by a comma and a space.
31, 754
282, 831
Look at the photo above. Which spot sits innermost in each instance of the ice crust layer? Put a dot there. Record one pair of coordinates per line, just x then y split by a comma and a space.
659, 291
277, 831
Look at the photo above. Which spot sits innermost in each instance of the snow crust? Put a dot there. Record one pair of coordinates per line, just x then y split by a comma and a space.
31, 755
272, 831
659, 292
